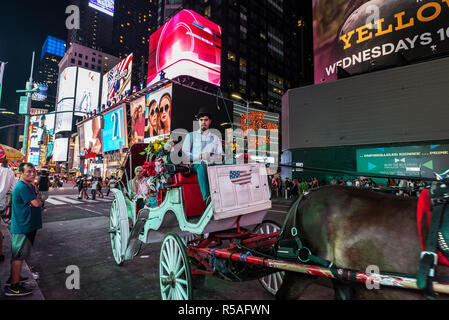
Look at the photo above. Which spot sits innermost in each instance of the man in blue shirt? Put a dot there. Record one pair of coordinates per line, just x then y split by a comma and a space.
203, 148
26, 219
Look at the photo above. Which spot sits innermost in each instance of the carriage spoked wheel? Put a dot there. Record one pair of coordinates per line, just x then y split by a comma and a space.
174, 269
118, 228
271, 282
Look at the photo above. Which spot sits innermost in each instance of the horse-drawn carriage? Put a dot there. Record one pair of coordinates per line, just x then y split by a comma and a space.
229, 237
184, 224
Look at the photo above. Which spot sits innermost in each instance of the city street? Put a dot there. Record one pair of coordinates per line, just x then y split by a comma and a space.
75, 233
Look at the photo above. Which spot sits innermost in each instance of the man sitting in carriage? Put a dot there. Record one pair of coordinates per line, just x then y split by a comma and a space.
203, 148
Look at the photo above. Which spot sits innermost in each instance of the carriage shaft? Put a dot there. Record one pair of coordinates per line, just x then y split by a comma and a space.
361, 277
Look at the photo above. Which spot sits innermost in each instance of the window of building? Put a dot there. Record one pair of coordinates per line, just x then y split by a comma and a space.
232, 56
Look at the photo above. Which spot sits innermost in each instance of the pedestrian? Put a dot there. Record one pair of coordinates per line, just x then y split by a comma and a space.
43, 184
111, 185
295, 189
303, 187
99, 186
288, 187
26, 219
93, 189
7, 183
85, 185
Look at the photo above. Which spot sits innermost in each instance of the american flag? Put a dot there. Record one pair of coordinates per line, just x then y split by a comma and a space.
115, 75
240, 177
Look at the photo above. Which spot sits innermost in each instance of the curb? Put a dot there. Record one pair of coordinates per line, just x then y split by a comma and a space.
5, 270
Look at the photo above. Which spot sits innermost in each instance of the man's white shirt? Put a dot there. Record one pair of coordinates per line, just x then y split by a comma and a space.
208, 143
7, 183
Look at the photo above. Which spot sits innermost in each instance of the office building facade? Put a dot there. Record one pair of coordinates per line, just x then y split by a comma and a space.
266, 45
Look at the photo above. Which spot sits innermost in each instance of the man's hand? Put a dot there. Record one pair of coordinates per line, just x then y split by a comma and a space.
205, 156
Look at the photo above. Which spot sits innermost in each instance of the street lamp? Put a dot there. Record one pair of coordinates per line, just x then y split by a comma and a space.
238, 97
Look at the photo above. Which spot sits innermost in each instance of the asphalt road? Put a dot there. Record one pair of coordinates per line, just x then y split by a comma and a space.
75, 233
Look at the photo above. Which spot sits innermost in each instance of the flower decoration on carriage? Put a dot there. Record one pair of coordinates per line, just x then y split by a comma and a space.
158, 149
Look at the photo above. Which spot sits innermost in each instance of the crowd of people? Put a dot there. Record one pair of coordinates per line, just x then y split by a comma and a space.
288, 188
95, 185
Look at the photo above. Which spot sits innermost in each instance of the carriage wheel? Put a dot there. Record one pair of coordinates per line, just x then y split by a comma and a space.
271, 282
118, 229
174, 270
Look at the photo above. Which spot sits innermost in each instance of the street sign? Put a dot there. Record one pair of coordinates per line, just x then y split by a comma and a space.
23, 107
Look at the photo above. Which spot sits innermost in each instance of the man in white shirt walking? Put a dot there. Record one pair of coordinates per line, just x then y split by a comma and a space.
202, 149
7, 183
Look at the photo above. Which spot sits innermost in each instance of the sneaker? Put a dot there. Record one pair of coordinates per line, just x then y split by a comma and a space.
21, 280
35, 274
17, 291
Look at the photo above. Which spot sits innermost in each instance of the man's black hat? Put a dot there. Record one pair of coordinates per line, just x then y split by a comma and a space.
203, 112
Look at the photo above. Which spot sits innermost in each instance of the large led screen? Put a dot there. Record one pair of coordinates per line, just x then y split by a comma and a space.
138, 120
363, 35
87, 92
92, 135
66, 100
105, 6
159, 110
409, 161
188, 44
118, 80
114, 132
35, 138
61, 150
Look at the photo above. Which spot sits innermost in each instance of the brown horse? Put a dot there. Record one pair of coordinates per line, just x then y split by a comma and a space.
355, 229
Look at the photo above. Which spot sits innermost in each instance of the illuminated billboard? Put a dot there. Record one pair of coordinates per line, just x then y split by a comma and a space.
35, 138
409, 161
87, 91
138, 120
159, 111
188, 44
364, 35
92, 136
66, 100
118, 80
105, 6
114, 132
61, 150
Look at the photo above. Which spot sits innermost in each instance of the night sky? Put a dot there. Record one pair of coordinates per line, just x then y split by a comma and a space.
24, 26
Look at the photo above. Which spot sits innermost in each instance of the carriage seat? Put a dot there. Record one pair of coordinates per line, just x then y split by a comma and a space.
194, 205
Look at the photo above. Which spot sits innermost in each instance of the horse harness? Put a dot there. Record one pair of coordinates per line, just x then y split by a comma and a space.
293, 249
438, 237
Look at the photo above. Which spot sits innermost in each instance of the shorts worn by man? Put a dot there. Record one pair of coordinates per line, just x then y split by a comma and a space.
26, 219
202, 148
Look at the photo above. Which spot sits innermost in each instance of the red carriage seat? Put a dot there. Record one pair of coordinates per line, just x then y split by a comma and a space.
194, 205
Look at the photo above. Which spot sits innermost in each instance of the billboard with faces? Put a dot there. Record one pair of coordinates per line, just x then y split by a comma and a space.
188, 44
115, 135
159, 112
138, 120
93, 136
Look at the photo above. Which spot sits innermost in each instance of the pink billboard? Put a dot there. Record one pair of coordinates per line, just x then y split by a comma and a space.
188, 44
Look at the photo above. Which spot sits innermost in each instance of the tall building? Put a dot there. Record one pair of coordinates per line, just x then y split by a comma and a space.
96, 26
88, 58
266, 45
47, 72
134, 21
